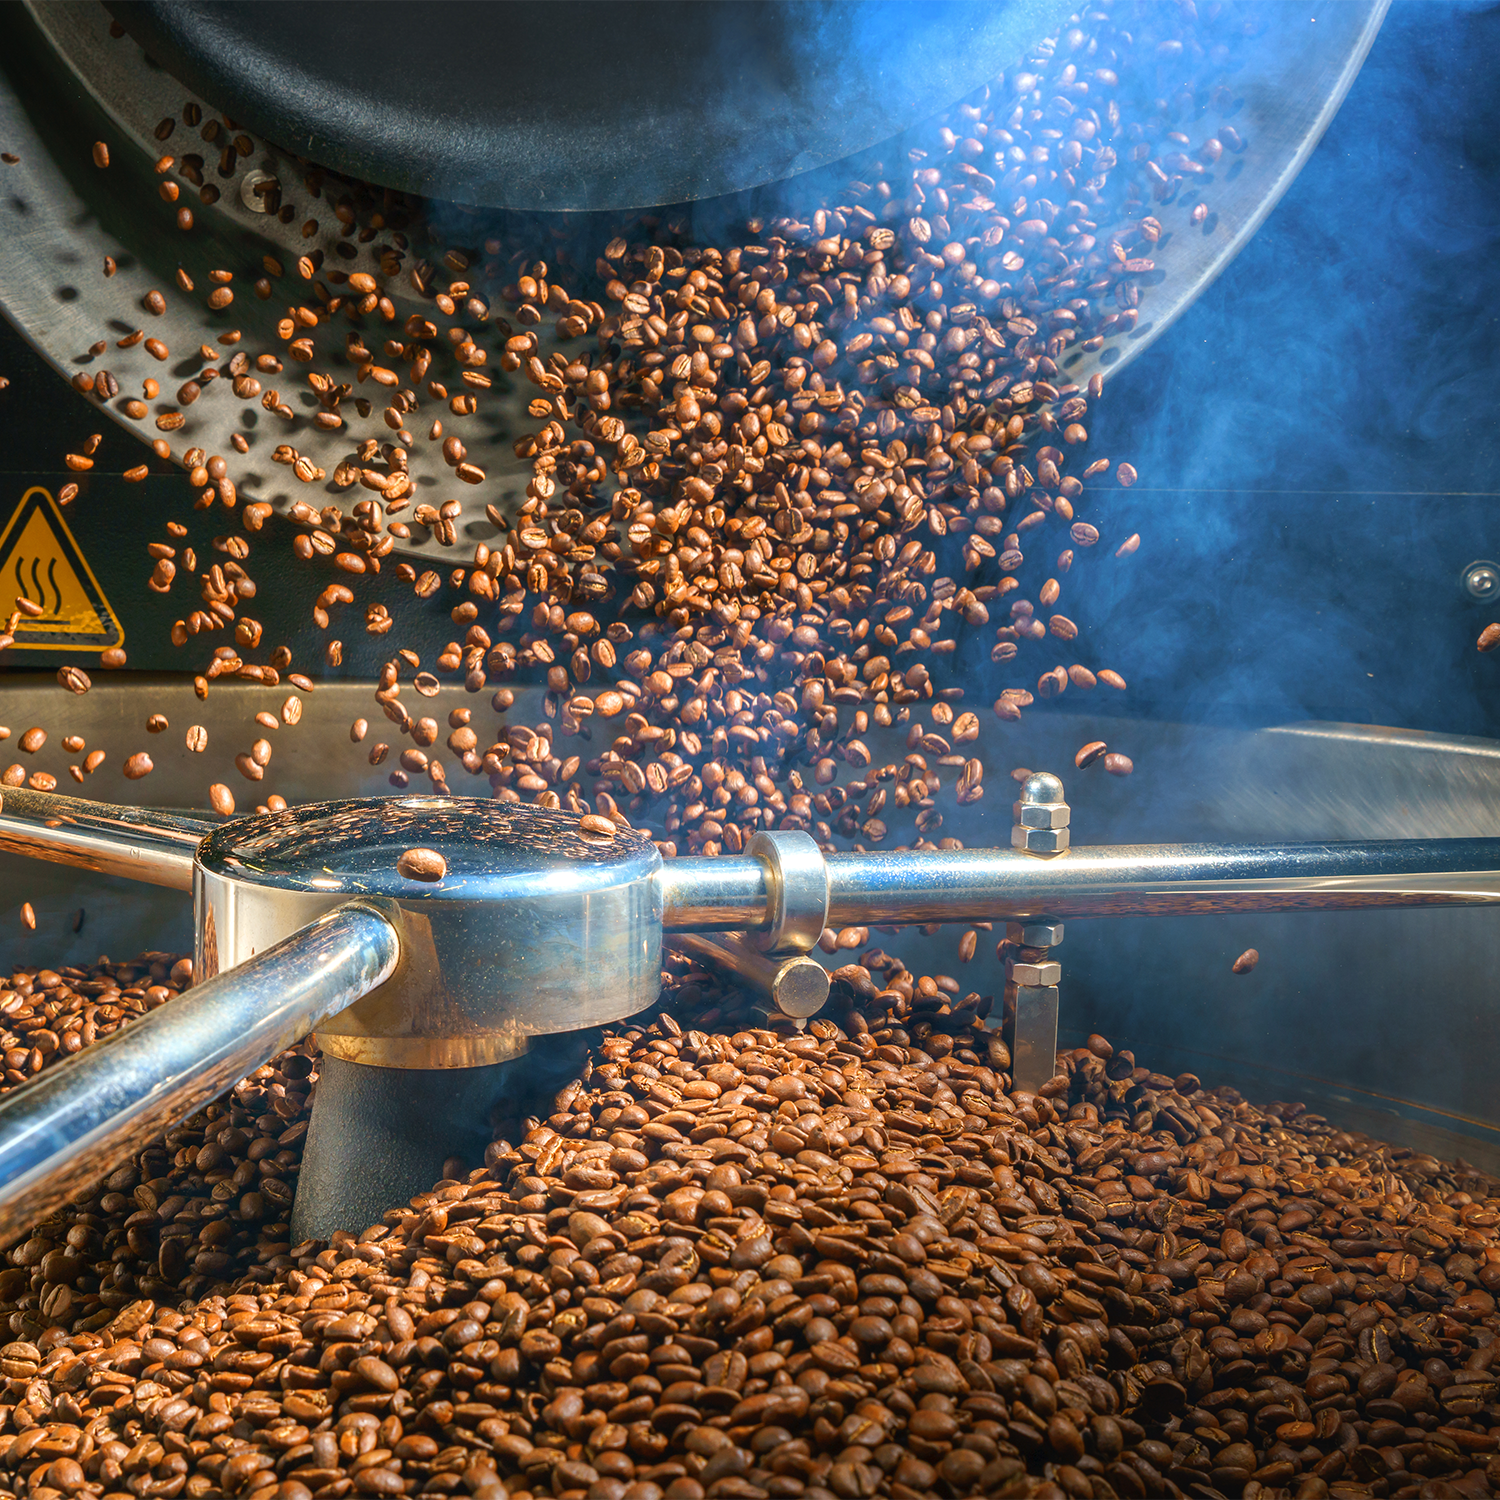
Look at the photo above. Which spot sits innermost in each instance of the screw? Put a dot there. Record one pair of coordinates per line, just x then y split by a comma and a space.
1481, 580
257, 189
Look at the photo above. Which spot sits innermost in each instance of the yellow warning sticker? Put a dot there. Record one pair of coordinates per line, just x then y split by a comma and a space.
41, 563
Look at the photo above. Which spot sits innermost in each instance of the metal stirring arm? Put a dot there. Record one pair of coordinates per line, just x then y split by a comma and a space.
1127, 880
62, 1131
154, 847
525, 886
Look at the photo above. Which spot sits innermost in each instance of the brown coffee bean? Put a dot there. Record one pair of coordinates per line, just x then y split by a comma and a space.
137, 765
33, 739
75, 679
1489, 637
422, 864
1245, 962
101, 154
221, 799
1089, 753
1118, 765
197, 739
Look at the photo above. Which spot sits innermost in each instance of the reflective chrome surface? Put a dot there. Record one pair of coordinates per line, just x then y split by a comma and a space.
534, 928
154, 847
797, 890
62, 1131
1121, 881
1162, 880
1034, 1046
796, 985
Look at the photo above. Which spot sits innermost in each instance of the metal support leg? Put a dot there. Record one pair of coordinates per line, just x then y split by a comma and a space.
1032, 977
1034, 1055
1031, 974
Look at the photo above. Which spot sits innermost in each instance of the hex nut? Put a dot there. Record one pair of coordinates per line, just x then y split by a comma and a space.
1030, 975
1039, 840
1042, 814
1035, 934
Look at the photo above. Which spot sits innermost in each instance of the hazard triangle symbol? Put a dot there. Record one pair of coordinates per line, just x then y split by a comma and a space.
40, 562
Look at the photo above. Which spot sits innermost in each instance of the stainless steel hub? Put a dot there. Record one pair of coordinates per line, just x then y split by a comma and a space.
534, 928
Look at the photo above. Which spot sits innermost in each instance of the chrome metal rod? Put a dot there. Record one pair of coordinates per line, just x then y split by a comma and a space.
154, 847
713, 894
794, 984
66, 1128
1109, 881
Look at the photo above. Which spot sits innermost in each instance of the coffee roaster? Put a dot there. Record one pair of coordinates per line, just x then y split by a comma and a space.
301, 922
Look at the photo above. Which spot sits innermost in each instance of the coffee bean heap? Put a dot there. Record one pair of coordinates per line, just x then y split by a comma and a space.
843, 1264
46, 1015
196, 1211
786, 472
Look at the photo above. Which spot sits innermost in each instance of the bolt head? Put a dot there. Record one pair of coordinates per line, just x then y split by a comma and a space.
1039, 840
1482, 580
252, 194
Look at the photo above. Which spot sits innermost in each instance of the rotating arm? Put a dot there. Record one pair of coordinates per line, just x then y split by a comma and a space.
154, 847
1109, 881
63, 1130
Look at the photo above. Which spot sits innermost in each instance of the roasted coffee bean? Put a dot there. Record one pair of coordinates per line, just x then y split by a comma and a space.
422, 864
1246, 961
197, 739
101, 154
1118, 765
137, 765
221, 799
1089, 753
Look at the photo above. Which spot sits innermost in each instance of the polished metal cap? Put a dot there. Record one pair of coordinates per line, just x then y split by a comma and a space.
516, 922
1041, 788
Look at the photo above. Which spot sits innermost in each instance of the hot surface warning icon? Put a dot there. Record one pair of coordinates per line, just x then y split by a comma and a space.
41, 563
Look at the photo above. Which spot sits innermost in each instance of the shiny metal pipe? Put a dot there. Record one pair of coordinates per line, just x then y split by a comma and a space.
713, 895
1131, 880
62, 1131
1141, 880
154, 847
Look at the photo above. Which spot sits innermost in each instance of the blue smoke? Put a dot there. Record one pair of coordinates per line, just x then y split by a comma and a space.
1316, 439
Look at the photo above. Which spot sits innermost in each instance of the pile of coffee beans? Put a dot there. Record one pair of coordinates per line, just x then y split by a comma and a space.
745, 1263
46, 1015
